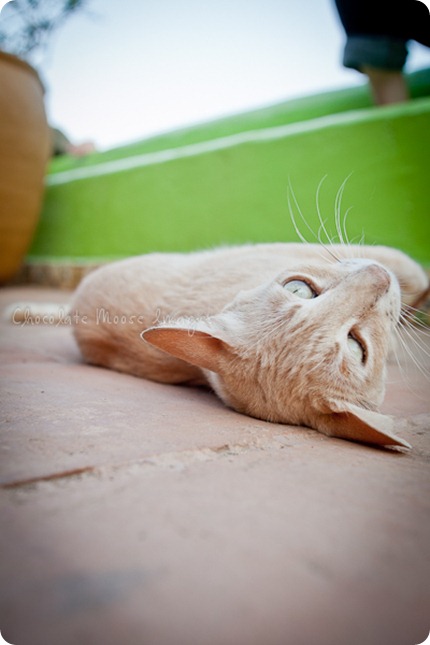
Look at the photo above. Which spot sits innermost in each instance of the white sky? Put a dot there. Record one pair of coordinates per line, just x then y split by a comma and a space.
126, 69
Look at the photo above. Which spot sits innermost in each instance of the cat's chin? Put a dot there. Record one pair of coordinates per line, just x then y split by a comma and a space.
339, 419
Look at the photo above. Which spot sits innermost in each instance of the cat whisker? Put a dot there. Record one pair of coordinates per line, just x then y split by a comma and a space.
407, 317
337, 212
408, 351
324, 246
417, 344
290, 193
412, 308
357, 242
414, 321
331, 240
419, 296
414, 335
409, 309
398, 361
321, 221
406, 334
332, 254
345, 231
404, 374
317, 237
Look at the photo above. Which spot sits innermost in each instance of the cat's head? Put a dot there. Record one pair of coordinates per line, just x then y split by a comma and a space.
308, 348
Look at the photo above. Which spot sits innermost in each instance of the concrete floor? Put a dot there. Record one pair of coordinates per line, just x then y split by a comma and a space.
134, 513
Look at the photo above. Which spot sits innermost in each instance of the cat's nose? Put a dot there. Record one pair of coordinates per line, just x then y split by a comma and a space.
378, 275
372, 273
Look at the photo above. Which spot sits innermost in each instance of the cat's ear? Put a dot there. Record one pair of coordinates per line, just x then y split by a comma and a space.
348, 421
199, 348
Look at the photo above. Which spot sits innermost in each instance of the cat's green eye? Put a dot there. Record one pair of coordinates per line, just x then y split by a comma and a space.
300, 288
356, 348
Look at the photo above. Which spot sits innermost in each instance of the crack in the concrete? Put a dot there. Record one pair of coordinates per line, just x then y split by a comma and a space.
170, 461
18, 483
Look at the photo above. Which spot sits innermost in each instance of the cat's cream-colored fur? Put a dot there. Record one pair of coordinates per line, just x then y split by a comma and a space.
227, 318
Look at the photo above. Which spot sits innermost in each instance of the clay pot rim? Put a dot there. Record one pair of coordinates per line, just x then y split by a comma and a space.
16, 60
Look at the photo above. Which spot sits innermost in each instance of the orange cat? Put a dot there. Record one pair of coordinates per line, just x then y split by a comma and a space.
291, 333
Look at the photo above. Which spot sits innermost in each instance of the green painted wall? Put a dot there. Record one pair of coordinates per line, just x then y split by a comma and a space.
238, 193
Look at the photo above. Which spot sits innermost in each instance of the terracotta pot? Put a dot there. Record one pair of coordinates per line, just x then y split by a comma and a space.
24, 152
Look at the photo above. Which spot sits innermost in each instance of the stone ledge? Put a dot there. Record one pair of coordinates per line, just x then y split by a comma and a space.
60, 275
